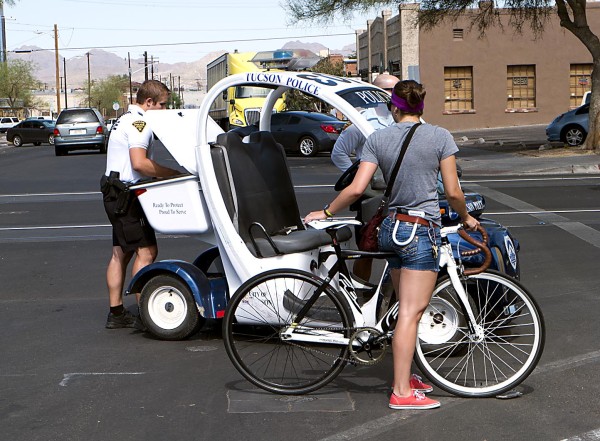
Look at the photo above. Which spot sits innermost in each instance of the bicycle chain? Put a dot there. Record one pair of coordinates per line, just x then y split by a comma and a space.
347, 360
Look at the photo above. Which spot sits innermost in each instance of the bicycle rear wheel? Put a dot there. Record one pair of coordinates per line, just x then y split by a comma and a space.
513, 342
267, 304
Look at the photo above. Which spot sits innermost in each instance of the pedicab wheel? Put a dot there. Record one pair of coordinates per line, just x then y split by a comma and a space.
511, 345
168, 309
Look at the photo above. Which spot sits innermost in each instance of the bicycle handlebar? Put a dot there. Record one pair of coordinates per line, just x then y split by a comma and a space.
481, 248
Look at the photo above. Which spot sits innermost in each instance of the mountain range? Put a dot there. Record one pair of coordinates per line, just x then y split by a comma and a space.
191, 75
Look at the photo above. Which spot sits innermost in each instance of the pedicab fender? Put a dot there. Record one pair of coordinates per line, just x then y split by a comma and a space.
210, 294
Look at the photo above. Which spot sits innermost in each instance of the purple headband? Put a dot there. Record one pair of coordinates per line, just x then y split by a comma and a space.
403, 105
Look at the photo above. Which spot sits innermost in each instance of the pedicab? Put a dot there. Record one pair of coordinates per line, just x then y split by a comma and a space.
237, 196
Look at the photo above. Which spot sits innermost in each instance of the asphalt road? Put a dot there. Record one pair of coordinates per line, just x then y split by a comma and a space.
64, 377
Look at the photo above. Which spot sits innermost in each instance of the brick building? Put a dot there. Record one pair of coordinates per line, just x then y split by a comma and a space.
498, 80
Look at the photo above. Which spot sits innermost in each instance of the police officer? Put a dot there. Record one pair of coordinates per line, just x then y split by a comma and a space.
351, 141
129, 159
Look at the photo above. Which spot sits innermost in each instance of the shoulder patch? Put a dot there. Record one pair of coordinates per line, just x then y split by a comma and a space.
139, 125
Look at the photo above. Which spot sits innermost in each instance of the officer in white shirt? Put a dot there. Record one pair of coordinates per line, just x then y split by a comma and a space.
129, 159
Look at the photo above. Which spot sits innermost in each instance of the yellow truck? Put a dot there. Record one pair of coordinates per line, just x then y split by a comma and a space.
240, 106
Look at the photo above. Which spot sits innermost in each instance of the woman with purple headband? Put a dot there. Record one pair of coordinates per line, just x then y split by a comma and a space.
412, 228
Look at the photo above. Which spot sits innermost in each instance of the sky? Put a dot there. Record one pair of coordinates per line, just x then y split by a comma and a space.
170, 30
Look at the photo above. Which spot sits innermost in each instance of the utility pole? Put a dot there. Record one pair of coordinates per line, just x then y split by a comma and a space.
57, 69
2, 34
171, 89
179, 89
65, 75
89, 81
152, 66
130, 87
145, 65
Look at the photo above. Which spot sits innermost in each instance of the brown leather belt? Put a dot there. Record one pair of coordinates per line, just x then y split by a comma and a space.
411, 219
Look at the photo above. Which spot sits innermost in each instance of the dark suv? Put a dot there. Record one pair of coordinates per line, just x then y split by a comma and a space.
80, 128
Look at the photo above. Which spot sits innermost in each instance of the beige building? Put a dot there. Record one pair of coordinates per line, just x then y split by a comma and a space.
498, 80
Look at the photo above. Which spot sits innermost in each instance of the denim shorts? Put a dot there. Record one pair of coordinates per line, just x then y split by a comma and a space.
417, 254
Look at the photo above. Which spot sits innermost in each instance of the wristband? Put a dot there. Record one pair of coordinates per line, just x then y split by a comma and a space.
326, 211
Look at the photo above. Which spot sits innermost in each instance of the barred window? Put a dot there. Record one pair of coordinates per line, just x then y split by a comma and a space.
458, 89
580, 82
520, 87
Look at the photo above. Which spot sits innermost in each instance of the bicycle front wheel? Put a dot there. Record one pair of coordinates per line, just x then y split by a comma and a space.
268, 304
513, 336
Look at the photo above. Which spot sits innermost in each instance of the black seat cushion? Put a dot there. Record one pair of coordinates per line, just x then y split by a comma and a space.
262, 193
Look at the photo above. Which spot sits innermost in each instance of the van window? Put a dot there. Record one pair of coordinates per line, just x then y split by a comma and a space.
77, 116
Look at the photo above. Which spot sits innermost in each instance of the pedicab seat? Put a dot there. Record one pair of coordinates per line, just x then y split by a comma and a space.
256, 186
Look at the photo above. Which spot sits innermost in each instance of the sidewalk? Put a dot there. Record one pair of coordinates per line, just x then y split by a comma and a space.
520, 151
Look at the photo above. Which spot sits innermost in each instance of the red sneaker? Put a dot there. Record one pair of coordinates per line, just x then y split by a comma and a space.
416, 383
417, 400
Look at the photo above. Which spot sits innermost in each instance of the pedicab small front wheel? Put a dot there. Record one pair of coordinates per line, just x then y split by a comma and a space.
168, 309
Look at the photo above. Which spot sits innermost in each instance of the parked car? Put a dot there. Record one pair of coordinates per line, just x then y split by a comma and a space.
306, 133
6, 122
570, 127
80, 128
36, 131
586, 98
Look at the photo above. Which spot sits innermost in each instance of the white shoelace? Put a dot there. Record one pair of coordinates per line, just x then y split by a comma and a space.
419, 395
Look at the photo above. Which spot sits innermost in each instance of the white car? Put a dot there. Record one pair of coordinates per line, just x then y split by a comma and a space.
6, 122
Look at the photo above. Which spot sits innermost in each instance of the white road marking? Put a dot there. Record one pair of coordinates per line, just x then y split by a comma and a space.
396, 419
578, 229
69, 376
588, 436
55, 227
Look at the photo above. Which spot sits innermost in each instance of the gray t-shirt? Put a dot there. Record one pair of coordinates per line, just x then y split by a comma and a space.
415, 187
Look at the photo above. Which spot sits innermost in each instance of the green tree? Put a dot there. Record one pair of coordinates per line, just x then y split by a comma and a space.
295, 100
104, 93
571, 13
17, 82
174, 101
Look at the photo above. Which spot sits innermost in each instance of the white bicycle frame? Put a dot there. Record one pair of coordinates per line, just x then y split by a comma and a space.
366, 316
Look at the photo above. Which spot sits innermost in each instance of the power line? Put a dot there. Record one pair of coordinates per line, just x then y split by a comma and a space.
171, 5
13, 29
188, 43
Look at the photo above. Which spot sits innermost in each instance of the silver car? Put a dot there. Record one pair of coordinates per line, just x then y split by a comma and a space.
80, 128
570, 127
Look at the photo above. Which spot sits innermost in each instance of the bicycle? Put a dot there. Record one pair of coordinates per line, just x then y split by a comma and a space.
290, 332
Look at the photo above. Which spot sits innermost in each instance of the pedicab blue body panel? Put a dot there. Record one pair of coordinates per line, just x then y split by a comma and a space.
210, 293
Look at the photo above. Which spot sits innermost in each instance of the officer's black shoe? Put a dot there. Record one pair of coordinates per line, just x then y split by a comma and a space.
125, 320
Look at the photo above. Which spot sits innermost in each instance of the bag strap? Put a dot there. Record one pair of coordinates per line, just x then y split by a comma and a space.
407, 139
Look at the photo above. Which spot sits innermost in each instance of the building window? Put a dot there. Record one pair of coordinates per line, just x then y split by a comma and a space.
457, 34
458, 89
520, 88
580, 82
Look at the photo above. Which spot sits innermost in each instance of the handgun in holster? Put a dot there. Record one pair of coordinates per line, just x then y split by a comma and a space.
114, 189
